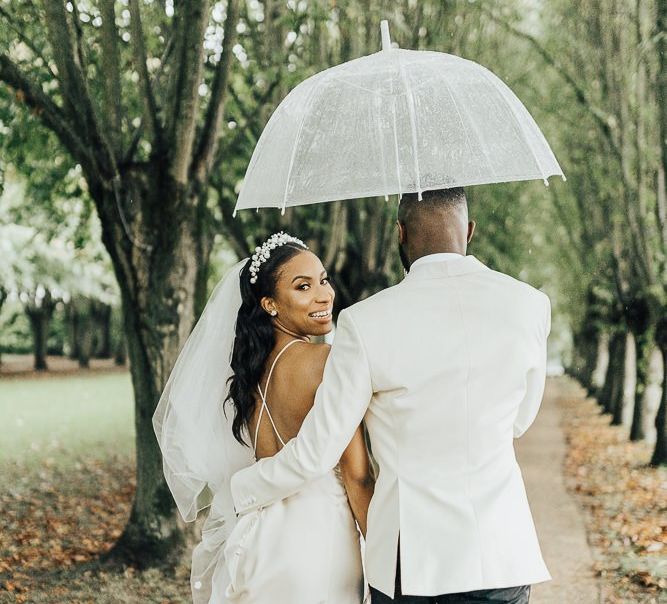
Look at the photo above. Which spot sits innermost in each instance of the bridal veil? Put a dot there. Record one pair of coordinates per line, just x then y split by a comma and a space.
194, 432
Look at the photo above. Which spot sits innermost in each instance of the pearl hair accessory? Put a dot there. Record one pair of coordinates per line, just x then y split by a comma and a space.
263, 253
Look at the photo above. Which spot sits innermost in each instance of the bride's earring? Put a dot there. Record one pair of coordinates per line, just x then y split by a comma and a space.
273, 313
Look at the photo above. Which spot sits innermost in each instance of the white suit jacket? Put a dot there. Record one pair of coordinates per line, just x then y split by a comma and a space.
447, 367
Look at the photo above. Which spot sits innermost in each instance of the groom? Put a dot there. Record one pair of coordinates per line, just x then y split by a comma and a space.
446, 368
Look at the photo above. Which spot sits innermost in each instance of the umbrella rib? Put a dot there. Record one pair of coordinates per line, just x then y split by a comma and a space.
382, 159
517, 122
392, 98
398, 161
413, 123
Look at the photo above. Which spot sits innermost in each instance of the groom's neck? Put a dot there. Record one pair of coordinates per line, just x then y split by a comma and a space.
438, 249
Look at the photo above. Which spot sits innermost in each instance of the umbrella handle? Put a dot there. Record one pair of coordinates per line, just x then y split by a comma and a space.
384, 30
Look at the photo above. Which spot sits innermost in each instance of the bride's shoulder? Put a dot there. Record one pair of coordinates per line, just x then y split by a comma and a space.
308, 362
311, 355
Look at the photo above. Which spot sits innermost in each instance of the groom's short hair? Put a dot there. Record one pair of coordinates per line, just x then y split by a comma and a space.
437, 200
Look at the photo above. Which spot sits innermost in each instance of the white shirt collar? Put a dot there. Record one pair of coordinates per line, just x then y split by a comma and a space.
440, 257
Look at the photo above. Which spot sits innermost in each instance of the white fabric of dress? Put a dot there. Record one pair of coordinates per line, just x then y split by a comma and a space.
304, 549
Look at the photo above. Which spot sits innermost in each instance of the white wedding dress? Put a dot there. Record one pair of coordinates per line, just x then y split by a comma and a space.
304, 549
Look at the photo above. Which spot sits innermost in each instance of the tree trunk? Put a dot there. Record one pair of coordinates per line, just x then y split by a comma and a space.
118, 346
574, 368
85, 334
72, 321
39, 325
643, 356
613, 367
586, 355
590, 363
39, 312
659, 457
3, 297
80, 310
601, 365
617, 401
638, 319
102, 316
120, 355
158, 274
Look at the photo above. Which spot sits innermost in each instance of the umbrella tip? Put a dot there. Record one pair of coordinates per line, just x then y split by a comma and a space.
563, 177
234, 213
384, 30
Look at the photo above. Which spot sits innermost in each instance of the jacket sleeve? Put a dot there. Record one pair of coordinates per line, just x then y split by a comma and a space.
340, 405
536, 378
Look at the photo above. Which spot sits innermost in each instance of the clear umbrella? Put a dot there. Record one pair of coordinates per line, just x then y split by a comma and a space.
397, 121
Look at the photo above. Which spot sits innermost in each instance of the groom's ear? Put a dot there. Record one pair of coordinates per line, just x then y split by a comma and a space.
471, 229
402, 233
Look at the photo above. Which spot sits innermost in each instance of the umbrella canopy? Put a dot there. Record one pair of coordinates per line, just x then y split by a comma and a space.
397, 121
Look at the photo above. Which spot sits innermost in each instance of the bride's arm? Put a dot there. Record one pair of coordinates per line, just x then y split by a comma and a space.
358, 477
340, 405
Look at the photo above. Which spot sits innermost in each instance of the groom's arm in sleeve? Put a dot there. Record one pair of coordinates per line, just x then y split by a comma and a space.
537, 374
340, 405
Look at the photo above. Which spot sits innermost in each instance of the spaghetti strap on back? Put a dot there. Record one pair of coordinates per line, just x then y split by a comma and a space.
263, 397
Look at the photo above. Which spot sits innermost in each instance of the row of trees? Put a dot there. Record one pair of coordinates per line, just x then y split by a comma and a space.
81, 329
52, 266
606, 100
157, 107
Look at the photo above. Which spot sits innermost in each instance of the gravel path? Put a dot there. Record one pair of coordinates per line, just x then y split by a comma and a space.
558, 518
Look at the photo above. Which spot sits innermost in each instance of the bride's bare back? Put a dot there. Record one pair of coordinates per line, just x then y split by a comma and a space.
290, 393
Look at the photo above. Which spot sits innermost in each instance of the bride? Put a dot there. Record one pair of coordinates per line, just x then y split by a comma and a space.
240, 389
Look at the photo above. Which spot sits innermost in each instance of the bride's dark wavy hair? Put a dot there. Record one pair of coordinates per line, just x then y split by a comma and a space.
254, 335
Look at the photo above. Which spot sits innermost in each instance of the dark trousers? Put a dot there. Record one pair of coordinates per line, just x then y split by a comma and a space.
505, 595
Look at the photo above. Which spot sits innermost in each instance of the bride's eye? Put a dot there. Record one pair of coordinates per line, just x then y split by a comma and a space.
303, 286
325, 281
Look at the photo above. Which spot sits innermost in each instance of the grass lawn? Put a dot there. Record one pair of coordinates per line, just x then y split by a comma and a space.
63, 419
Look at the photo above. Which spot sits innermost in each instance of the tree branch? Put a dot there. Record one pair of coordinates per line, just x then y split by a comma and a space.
140, 60
661, 94
78, 101
136, 137
338, 220
59, 36
564, 217
76, 22
209, 141
233, 227
51, 115
111, 68
182, 115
